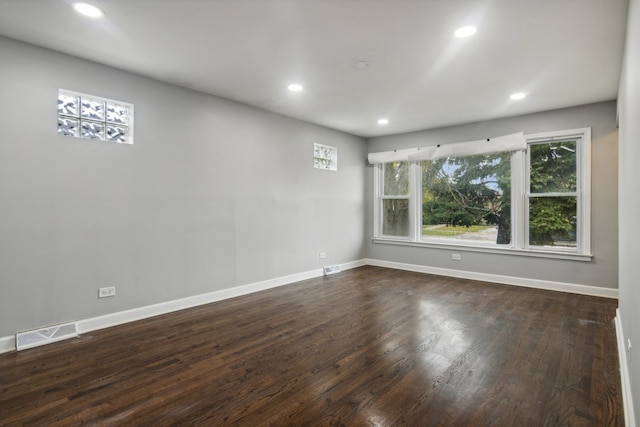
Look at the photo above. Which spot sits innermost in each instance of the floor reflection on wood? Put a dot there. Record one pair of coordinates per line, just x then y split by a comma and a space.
367, 347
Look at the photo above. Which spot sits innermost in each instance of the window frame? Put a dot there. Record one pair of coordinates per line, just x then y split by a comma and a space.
582, 192
379, 215
520, 196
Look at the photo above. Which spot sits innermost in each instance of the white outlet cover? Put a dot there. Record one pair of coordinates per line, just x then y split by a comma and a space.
107, 292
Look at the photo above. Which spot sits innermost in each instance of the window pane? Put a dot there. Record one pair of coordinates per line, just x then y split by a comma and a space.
395, 217
396, 179
67, 105
67, 126
468, 198
92, 109
117, 133
552, 221
553, 167
92, 130
117, 114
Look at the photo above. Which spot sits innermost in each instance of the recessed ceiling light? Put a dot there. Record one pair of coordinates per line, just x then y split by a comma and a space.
467, 31
383, 121
518, 95
294, 87
87, 9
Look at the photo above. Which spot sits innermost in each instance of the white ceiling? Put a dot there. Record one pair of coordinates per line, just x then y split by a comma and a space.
562, 52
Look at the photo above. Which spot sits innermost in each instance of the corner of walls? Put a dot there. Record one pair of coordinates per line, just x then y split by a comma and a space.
84, 326
625, 378
629, 205
213, 194
573, 288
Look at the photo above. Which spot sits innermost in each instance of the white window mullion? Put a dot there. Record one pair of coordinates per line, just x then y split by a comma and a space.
415, 202
518, 202
377, 200
584, 201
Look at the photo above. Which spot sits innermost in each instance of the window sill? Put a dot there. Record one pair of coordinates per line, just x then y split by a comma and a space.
572, 256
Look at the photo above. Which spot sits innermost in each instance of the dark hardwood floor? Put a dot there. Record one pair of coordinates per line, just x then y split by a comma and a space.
367, 347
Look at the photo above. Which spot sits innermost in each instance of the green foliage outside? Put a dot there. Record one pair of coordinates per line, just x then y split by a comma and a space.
475, 191
468, 191
552, 220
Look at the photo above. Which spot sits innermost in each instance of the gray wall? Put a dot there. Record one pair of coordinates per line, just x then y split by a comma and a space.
602, 271
629, 110
212, 195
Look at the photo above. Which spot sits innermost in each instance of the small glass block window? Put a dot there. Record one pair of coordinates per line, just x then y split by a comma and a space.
95, 118
325, 157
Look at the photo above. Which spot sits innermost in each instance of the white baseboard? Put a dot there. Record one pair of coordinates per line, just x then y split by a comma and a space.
353, 264
113, 319
7, 344
118, 318
496, 278
625, 380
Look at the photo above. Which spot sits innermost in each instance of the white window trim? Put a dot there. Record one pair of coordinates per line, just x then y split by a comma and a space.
519, 209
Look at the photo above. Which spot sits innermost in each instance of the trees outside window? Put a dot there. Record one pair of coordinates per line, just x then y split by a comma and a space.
536, 199
471, 192
553, 196
395, 199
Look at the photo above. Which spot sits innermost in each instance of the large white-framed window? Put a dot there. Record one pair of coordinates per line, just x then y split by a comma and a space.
531, 201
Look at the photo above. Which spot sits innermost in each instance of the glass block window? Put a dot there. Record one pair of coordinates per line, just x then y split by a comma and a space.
95, 118
325, 157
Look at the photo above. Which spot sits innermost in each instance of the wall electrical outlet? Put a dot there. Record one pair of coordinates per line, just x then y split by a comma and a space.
322, 255
456, 257
107, 292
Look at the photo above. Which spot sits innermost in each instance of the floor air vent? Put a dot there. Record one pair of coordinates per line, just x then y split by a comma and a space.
333, 269
25, 340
